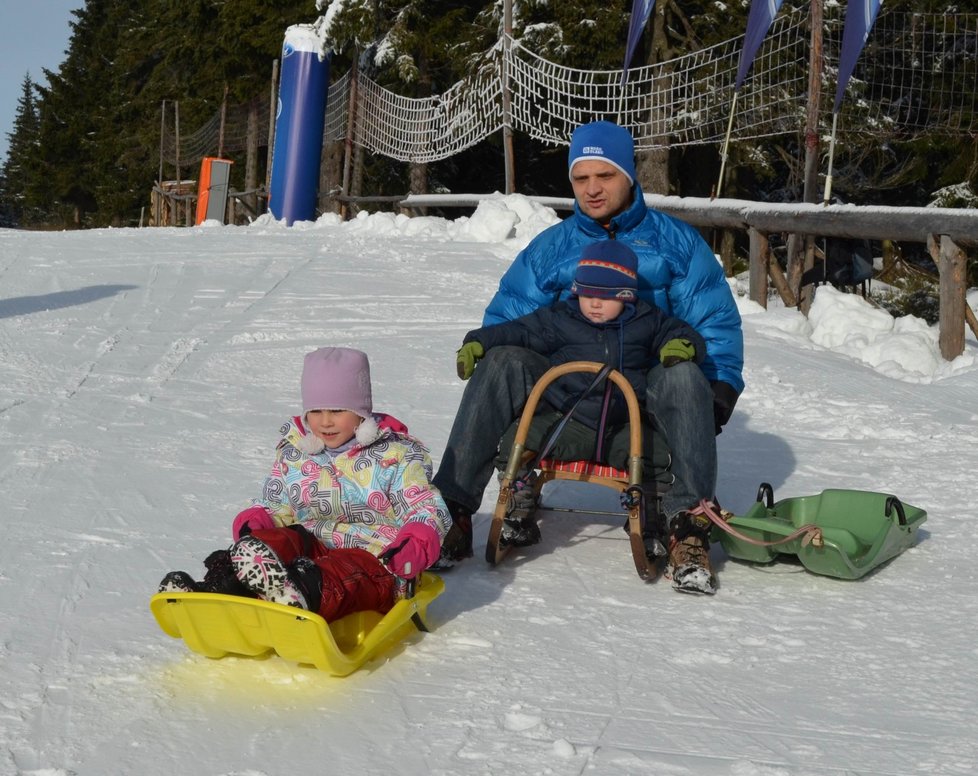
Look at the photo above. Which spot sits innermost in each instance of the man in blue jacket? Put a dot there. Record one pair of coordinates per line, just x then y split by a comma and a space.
677, 272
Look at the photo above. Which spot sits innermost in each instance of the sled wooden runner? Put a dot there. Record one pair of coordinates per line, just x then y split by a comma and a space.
580, 471
216, 625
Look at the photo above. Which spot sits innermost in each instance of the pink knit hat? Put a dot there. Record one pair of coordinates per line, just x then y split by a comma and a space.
337, 379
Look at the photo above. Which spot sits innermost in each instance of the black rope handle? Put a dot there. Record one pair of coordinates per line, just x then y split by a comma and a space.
552, 439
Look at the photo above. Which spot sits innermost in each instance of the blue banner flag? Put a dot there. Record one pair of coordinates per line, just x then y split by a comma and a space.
641, 11
762, 13
860, 16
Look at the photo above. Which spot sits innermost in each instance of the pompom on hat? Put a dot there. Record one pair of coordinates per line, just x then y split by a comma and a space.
607, 270
605, 142
339, 379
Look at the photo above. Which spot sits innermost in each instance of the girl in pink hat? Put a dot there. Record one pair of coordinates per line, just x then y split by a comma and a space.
348, 513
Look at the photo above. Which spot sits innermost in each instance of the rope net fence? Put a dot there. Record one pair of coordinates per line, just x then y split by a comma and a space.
916, 74
684, 101
428, 129
206, 140
337, 109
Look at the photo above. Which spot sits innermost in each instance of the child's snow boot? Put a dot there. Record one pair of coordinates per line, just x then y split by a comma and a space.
689, 559
178, 582
308, 578
220, 576
258, 567
457, 545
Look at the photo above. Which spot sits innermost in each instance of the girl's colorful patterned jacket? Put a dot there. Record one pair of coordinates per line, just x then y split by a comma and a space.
356, 498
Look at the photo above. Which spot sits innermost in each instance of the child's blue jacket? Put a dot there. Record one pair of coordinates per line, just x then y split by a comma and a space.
630, 344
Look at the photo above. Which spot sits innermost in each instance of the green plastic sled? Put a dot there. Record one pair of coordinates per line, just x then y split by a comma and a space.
858, 530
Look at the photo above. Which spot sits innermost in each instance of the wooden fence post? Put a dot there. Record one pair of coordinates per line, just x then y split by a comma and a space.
760, 257
780, 281
952, 263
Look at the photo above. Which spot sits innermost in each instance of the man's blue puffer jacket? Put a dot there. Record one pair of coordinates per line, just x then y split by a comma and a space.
677, 272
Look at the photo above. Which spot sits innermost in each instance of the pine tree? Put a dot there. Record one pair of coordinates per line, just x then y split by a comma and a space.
415, 48
584, 34
100, 114
76, 117
249, 35
16, 169
91, 154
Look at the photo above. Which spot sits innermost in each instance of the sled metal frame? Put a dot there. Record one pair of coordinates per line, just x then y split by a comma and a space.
217, 625
858, 529
579, 471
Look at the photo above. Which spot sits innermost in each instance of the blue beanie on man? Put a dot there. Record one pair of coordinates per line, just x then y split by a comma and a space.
606, 142
607, 270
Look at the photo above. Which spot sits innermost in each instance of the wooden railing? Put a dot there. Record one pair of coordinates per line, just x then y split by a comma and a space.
945, 231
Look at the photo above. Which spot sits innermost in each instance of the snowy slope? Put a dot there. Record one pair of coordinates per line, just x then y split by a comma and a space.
144, 375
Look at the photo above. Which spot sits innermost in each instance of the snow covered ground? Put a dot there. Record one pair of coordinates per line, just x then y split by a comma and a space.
143, 378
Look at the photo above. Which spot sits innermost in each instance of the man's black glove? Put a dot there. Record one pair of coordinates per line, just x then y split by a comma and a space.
724, 400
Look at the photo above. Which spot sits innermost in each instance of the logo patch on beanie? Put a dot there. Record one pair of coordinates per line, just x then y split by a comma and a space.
605, 141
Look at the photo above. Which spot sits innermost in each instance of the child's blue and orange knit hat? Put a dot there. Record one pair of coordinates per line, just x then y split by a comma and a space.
607, 270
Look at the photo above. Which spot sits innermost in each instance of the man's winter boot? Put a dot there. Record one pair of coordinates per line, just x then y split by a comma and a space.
689, 559
258, 567
457, 545
178, 582
520, 527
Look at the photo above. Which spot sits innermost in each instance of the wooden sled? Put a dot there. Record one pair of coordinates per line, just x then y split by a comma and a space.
579, 471
853, 531
215, 625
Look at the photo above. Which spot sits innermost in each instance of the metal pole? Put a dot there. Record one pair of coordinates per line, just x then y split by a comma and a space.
159, 181
828, 175
814, 98
798, 260
176, 145
176, 130
726, 145
351, 124
224, 114
162, 133
507, 104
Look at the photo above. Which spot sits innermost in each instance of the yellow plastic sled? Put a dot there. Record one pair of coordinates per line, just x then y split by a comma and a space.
215, 625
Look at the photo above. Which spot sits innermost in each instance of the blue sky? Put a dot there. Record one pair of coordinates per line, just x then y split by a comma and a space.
33, 35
